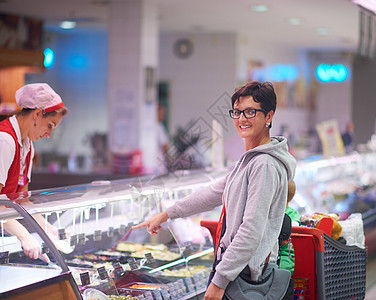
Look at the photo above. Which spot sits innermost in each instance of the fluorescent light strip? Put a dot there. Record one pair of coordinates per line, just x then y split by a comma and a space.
193, 256
182, 260
179, 261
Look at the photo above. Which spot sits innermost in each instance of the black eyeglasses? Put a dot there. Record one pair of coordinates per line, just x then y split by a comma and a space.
248, 113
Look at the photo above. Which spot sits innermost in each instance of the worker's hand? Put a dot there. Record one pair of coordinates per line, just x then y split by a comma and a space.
154, 223
50, 229
214, 292
32, 247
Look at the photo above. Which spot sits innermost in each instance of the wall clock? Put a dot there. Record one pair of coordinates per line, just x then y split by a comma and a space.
183, 48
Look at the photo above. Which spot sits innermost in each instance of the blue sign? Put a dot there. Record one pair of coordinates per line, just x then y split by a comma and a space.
326, 72
49, 57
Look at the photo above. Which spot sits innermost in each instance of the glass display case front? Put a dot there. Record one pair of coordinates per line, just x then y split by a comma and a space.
21, 280
98, 247
341, 185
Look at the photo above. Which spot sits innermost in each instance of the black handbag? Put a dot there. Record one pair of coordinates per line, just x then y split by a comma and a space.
274, 287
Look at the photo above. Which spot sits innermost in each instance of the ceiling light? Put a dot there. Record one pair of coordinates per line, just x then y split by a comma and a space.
367, 4
259, 8
68, 24
323, 31
295, 21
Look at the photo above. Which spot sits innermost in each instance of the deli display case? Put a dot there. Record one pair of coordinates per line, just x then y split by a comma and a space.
342, 185
97, 254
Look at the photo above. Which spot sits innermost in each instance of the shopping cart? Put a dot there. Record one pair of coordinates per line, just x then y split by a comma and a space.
326, 268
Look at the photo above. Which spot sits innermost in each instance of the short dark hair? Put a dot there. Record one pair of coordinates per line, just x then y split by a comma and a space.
62, 110
262, 93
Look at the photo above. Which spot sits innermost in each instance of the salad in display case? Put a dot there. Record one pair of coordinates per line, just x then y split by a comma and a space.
97, 252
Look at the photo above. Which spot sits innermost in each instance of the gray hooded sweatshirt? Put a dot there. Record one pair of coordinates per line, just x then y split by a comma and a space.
255, 196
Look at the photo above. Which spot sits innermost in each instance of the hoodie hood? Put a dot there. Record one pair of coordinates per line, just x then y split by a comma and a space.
277, 148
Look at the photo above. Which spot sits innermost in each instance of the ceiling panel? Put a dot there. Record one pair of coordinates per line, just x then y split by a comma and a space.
337, 18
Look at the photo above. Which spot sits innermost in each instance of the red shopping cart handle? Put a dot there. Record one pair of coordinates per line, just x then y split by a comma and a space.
211, 226
317, 234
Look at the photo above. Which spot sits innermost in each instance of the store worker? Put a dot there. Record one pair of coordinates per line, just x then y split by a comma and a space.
42, 111
254, 194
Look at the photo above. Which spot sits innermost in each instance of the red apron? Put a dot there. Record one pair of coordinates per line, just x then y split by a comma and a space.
15, 181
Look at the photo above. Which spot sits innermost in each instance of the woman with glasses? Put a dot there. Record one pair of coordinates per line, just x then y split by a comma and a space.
253, 194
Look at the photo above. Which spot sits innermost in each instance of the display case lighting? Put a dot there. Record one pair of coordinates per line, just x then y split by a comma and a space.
183, 260
197, 255
333, 161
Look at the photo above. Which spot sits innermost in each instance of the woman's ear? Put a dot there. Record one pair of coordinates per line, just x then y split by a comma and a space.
37, 113
269, 116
